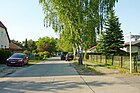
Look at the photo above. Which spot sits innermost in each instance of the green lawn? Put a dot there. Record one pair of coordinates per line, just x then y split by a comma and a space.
32, 62
116, 65
85, 69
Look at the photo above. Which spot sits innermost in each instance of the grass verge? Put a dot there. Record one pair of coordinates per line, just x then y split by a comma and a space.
121, 70
32, 62
85, 69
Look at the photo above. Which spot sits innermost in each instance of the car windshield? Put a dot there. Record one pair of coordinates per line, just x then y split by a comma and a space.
17, 56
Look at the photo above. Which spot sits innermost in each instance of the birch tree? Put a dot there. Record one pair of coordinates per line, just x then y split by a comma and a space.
83, 19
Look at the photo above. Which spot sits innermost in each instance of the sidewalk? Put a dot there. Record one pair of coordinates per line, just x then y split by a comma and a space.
5, 70
2, 70
109, 84
102, 69
111, 81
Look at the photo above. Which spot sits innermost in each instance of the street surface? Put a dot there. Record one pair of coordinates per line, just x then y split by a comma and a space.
56, 76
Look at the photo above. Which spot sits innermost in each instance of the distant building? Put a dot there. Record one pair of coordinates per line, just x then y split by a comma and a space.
4, 37
135, 47
91, 50
16, 48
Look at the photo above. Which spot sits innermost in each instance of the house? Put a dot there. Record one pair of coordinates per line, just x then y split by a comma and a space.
92, 49
135, 47
4, 37
16, 48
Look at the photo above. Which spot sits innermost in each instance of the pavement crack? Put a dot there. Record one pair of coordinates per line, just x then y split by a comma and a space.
87, 84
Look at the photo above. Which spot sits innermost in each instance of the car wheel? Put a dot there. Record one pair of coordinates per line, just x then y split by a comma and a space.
27, 63
22, 64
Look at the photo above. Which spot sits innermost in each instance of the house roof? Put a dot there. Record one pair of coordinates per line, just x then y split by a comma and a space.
133, 43
15, 46
2, 25
90, 49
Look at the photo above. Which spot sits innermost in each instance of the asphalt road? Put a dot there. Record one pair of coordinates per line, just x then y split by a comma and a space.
56, 76
51, 76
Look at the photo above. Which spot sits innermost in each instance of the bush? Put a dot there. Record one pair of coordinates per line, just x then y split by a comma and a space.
134, 53
26, 52
36, 56
4, 54
46, 53
42, 55
34, 52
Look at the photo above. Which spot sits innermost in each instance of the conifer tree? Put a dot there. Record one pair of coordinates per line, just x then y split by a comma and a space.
113, 35
113, 38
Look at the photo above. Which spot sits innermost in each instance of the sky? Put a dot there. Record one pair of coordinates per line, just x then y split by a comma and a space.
128, 12
24, 18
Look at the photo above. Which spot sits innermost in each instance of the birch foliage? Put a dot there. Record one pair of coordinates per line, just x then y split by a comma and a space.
82, 19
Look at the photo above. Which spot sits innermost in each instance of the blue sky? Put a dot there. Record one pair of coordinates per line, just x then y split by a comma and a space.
129, 15
24, 18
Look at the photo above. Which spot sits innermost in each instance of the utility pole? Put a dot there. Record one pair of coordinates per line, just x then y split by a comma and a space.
130, 53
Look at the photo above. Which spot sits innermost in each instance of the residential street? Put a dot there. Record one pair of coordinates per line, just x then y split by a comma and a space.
56, 76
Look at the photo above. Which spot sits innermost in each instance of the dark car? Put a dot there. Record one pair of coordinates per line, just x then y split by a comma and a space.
63, 55
69, 57
17, 59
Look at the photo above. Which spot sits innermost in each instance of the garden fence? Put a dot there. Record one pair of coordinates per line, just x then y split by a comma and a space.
119, 61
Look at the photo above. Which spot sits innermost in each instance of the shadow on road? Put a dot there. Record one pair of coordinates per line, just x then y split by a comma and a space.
53, 86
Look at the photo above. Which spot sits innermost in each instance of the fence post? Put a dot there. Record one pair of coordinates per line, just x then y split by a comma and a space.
121, 61
94, 58
112, 60
105, 59
100, 58
136, 63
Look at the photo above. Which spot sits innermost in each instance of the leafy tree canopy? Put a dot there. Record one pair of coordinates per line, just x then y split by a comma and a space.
46, 44
81, 18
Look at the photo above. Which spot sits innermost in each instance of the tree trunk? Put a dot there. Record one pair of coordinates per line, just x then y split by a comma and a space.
74, 52
85, 56
80, 60
112, 60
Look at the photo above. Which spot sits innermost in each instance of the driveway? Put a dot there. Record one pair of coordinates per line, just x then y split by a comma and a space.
56, 76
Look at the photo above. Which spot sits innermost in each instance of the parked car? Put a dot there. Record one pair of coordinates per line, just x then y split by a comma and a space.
69, 57
63, 55
17, 59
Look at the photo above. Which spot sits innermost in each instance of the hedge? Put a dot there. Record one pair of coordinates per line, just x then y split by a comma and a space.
4, 54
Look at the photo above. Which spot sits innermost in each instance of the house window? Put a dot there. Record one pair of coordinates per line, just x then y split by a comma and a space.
1, 46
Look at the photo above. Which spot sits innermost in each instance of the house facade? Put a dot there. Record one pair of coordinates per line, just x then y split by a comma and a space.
4, 37
135, 47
